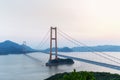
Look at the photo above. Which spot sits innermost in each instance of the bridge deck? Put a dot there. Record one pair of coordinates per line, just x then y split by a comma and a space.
93, 62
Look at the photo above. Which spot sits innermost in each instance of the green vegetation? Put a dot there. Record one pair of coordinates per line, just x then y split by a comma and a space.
83, 75
78, 76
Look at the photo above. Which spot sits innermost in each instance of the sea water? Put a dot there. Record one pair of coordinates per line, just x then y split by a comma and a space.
32, 66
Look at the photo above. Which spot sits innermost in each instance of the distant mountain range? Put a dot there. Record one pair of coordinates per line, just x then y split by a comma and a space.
9, 47
64, 49
104, 48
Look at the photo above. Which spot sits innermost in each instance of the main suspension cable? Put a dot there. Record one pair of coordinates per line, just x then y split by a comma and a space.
92, 50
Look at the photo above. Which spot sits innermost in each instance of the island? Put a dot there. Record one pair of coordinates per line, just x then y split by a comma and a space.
59, 61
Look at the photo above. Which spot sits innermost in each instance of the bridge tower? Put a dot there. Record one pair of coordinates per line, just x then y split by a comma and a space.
53, 37
56, 61
24, 45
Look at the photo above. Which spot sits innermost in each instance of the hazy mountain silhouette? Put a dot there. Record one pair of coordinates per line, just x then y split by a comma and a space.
64, 49
9, 47
104, 48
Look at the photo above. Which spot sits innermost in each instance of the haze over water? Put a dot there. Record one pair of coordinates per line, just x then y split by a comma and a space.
32, 66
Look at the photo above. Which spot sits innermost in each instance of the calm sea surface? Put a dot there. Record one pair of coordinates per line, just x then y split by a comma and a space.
32, 66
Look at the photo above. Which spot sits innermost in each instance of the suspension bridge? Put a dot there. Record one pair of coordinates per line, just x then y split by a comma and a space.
53, 35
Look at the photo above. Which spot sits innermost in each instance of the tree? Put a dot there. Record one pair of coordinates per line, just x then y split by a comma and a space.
79, 76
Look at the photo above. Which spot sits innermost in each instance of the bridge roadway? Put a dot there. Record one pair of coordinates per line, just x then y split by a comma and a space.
116, 67
93, 62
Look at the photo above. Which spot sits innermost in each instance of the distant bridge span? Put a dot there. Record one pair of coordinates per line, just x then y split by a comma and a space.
116, 67
93, 62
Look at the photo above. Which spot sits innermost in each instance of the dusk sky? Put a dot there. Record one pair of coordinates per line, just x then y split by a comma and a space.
94, 22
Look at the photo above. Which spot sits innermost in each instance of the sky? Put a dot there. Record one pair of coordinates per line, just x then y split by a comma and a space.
93, 22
